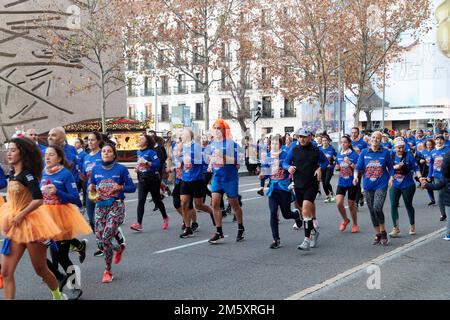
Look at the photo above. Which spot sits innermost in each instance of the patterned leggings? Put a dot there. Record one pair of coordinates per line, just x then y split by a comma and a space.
107, 220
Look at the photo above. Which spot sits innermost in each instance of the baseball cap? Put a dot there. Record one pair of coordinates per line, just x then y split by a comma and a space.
303, 133
440, 136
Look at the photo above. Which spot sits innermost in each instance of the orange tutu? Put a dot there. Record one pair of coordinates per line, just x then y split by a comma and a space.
69, 219
36, 226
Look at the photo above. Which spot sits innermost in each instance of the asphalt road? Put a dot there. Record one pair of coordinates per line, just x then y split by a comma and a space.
157, 264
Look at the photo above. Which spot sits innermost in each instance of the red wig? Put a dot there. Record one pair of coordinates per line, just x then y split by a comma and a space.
225, 128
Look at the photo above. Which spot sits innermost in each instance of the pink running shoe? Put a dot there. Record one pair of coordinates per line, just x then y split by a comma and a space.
165, 225
136, 227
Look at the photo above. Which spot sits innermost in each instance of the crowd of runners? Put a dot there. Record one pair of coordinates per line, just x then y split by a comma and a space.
58, 193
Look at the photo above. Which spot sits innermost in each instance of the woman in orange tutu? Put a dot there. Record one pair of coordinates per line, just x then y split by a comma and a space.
61, 199
22, 221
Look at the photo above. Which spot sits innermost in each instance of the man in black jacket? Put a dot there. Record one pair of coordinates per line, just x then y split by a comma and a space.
305, 162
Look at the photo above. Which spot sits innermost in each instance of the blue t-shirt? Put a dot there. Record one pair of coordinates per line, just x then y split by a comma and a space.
437, 158
66, 188
3, 181
106, 180
346, 168
206, 151
71, 156
81, 154
42, 148
330, 153
427, 156
279, 177
148, 155
359, 145
422, 140
401, 181
192, 162
224, 171
377, 168
387, 145
411, 141
89, 162
447, 143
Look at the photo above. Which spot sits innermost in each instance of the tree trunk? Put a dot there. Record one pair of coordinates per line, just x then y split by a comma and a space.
103, 106
369, 119
322, 116
356, 119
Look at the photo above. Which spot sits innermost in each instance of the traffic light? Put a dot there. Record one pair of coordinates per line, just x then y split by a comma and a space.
256, 111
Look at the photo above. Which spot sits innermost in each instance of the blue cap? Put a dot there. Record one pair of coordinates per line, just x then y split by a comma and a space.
303, 133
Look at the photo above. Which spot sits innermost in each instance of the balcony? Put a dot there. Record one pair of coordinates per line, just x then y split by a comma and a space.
164, 91
288, 113
149, 92
180, 90
196, 89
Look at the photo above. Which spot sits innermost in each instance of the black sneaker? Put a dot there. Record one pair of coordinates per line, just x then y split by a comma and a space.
275, 244
377, 239
432, 203
234, 218
299, 224
260, 192
82, 250
443, 218
98, 253
188, 233
384, 238
183, 226
194, 227
240, 235
216, 238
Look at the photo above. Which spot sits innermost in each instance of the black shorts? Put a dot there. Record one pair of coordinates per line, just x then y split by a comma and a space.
352, 192
196, 189
309, 194
177, 199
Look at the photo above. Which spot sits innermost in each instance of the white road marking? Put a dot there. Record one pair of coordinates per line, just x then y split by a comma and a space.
250, 190
379, 260
183, 246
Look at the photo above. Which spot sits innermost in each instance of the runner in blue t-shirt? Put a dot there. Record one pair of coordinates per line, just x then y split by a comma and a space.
224, 164
329, 152
376, 165
345, 163
404, 166
437, 157
358, 145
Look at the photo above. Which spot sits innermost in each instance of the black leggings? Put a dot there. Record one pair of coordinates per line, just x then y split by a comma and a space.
143, 189
326, 180
60, 258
